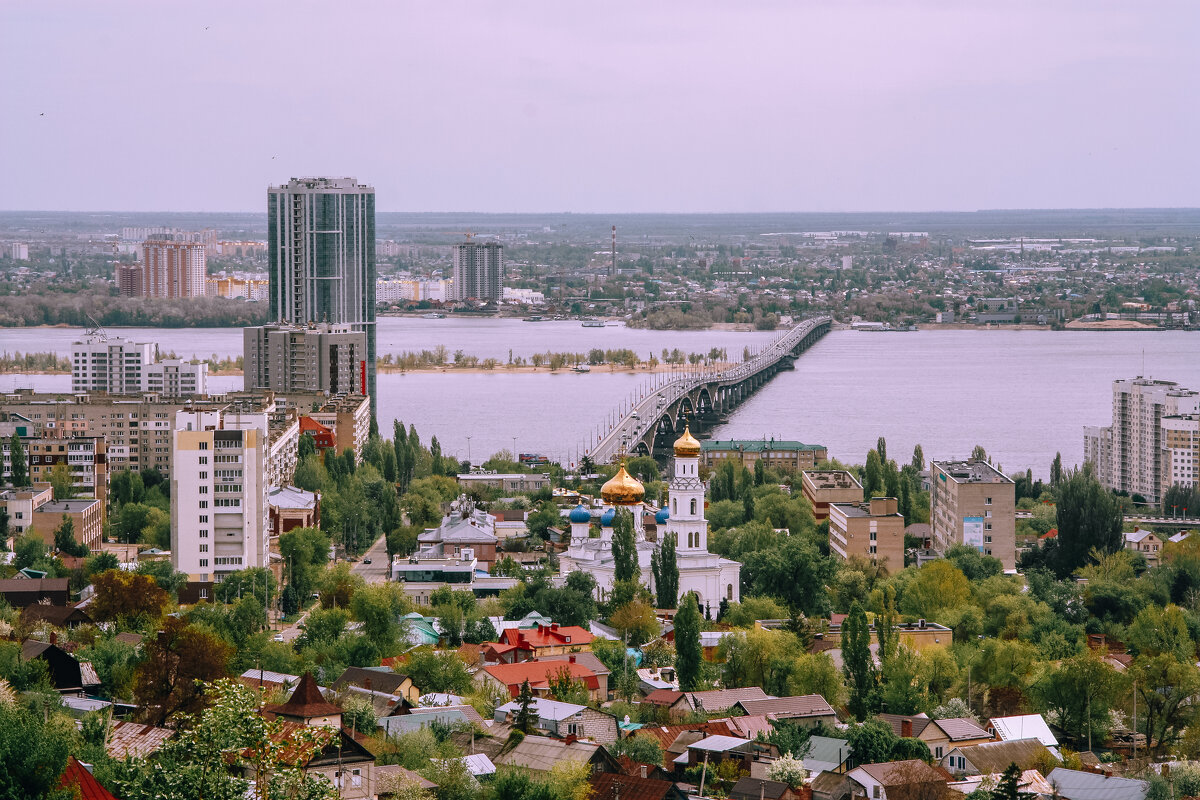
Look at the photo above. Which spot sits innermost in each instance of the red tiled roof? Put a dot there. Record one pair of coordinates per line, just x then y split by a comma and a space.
539, 674
546, 636
306, 701
77, 776
310, 425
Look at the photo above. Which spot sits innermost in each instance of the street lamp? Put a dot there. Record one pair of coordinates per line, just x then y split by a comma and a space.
468, 450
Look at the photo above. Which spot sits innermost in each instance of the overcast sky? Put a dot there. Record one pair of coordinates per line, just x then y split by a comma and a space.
602, 106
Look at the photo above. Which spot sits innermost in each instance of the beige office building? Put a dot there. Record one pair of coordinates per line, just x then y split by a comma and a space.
874, 531
1180, 454
825, 486
973, 503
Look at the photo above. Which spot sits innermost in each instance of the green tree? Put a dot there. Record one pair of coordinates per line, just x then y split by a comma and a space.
881, 448
1079, 692
64, 539
1056, 470
1009, 786
524, 717
624, 549
1165, 688
19, 469
1089, 518
872, 742
33, 750
688, 652
61, 483
857, 664
665, 568
918, 459
641, 747
934, 588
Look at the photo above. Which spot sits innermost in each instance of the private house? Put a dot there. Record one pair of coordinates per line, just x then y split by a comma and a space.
267, 681
1024, 726
539, 674
1030, 783
610, 786
134, 740
718, 749
940, 735
592, 662
716, 700
983, 759
564, 719
896, 780
1147, 543
826, 754
343, 760
79, 782
379, 680
412, 719
546, 640
54, 616
674, 739
541, 753
65, 671
464, 530
671, 703
749, 788
289, 507
21, 591
1075, 785
811, 709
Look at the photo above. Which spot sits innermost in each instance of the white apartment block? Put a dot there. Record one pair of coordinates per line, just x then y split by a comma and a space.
1130, 455
19, 251
525, 297
219, 493
119, 366
110, 365
405, 290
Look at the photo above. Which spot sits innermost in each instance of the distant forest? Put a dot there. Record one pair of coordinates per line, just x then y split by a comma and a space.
81, 308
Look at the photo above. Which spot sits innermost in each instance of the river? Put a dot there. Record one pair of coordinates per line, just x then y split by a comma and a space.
1023, 395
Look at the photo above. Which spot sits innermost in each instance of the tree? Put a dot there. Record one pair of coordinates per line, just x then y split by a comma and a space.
19, 469
1009, 786
857, 664
871, 742
177, 661
33, 750
636, 622
1079, 692
121, 595
306, 446
788, 769
688, 652
196, 761
540, 522
872, 475
64, 539
29, 549
61, 483
918, 459
979, 454
1089, 518
1056, 470
524, 718
881, 448
438, 672
665, 569
624, 549
935, 587
305, 552
640, 747
1165, 688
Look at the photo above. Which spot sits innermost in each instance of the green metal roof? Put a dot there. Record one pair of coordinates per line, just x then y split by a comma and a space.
758, 445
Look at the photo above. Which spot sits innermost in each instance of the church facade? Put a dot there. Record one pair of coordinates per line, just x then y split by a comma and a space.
710, 576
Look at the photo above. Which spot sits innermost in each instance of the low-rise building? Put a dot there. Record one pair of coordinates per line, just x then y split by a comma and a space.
564, 719
1145, 542
825, 486
940, 735
990, 757
776, 453
897, 780
539, 674
874, 531
85, 514
973, 503
289, 507
21, 503
509, 483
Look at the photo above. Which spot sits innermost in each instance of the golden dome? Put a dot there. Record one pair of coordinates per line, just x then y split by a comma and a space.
687, 446
623, 489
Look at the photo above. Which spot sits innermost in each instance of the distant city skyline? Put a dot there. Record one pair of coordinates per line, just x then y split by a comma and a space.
703, 107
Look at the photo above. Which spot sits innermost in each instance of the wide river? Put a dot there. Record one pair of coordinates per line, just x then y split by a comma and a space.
1023, 395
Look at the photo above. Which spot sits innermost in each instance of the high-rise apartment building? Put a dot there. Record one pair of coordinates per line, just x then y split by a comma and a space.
1181, 454
973, 503
219, 493
478, 268
113, 365
129, 280
318, 357
172, 268
1129, 456
321, 256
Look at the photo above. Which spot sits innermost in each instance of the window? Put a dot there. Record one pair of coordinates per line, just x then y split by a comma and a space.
203, 476
203, 490
204, 517
937, 753
987, 501
729, 591
204, 562
874, 791
204, 504
203, 548
204, 445
693, 505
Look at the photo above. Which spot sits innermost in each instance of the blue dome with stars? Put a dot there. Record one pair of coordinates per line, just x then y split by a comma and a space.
580, 515
606, 519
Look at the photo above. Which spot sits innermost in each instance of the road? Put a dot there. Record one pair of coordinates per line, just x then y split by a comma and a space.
377, 570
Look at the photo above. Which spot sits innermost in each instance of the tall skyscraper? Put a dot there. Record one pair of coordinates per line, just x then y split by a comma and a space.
477, 270
321, 256
173, 268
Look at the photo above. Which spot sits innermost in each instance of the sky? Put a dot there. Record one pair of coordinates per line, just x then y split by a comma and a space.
602, 107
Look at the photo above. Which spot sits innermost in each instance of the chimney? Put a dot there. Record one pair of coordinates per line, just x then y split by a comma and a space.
642, 770
571, 659
553, 626
906, 728
53, 637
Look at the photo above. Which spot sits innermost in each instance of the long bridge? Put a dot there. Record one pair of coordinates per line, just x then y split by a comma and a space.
650, 421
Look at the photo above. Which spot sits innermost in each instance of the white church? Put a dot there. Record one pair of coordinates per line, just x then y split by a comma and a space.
711, 577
